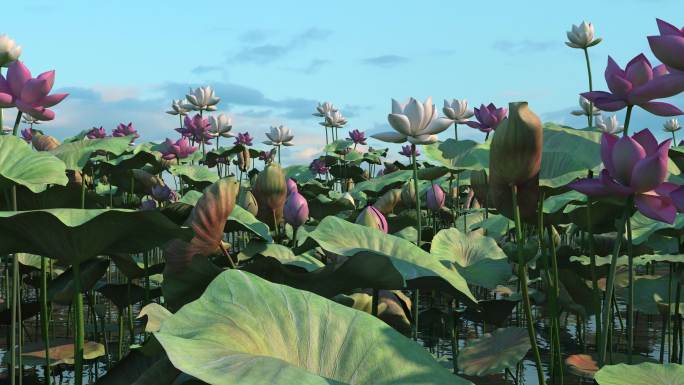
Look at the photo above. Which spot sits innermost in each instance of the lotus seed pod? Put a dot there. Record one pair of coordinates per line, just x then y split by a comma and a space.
372, 217
270, 190
480, 185
408, 194
388, 201
44, 142
516, 149
243, 160
247, 201
349, 185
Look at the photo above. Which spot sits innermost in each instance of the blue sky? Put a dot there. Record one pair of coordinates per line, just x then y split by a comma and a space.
272, 61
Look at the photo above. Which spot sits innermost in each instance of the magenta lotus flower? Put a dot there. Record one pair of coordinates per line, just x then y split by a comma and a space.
637, 85
291, 186
407, 152
125, 130
97, 133
29, 95
435, 198
358, 137
635, 165
318, 167
296, 210
27, 135
179, 149
162, 193
488, 117
243, 139
267, 156
669, 46
197, 128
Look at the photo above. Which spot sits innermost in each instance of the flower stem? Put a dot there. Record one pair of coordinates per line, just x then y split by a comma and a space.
630, 299
79, 329
456, 131
590, 117
415, 184
522, 276
16, 123
674, 139
628, 115
14, 302
594, 281
44, 314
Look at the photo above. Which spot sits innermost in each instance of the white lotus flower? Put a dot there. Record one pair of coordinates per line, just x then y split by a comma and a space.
324, 108
586, 108
582, 36
278, 136
334, 119
221, 125
672, 125
9, 50
457, 110
179, 107
611, 126
203, 98
414, 121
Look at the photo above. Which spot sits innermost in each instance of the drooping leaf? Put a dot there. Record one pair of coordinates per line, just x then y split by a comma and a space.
61, 289
384, 183
494, 352
75, 155
22, 166
241, 219
196, 175
156, 314
310, 340
282, 253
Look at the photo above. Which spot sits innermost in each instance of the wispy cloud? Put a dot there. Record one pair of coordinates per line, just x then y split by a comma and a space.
524, 46
204, 69
262, 52
385, 60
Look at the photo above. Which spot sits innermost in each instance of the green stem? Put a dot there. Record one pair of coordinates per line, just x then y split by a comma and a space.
79, 328
590, 118
376, 300
456, 131
522, 276
16, 123
44, 314
415, 184
630, 299
674, 139
121, 334
596, 296
554, 303
628, 116
14, 302
146, 265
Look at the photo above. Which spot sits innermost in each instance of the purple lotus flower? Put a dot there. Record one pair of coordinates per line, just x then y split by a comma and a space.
162, 193
96, 133
296, 210
669, 46
358, 137
125, 130
488, 117
148, 204
407, 152
179, 149
243, 139
635, 165
318, 167
197, 128
435, 198
267, 156
291, 186
637, 85
372, 217
29, 95
27, 135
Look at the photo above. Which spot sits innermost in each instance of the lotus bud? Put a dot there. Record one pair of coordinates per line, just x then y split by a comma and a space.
388, 201
372, 217
291, 186
348, 197
408, 194
247, 201
243, 160
296, 210
480, 185
270, 190
516, 149
44, 142
435, 197
349, 185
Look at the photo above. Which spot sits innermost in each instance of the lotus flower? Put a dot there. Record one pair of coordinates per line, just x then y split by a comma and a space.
179, 107
197, 128
203, 98
221, 125
635, 165
125, 130
372, 217
582, 36
27, 135
610, 126
278, 136
435, 198
669, 46
29, 95
672, 125
267, 156
637, 85
296, 210
243, 139
586, 108
162, 193
97, 133
457, 110
324, 108
148, 204
318, 167
488, 118
334, 119
291, 186
408, 152
414, 121
9, 50
358, 137
179, 149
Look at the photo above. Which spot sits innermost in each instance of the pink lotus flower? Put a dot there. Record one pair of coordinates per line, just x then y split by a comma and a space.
635, 165
488, 117
96, 133
318, 167
358, 137
243, 139
197, 128
407, 152
372, 217
291, 186
296, 210
125, 130
435, 198
637, 85
179, 149
669, 46
29, 95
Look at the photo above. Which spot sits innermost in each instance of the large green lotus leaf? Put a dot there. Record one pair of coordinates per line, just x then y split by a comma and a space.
494, 352
338, 145
641, 374
287, 336
194, 174
494, 225
347, 171
568, 154
556, 203
338, 236
384, 183
136, 157
643, 227
75, 155
20, 165
75, 235
122, 295
147, 365
300, 173
460, 155
186, 285
61, 289
322, 206
282, 253
476, 257
650, 294
241, 219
